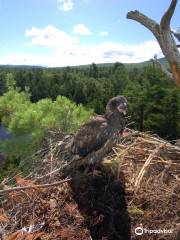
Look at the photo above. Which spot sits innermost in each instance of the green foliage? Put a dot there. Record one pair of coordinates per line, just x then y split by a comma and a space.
48, 96
154, 102
28, 122
153, 98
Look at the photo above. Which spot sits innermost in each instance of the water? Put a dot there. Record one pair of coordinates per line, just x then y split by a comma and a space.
3, 133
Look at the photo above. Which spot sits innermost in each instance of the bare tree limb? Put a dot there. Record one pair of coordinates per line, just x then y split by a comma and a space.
166, 19
163, 68
144, 20
164, 37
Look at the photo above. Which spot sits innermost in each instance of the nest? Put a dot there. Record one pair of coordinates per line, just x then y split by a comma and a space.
135, 190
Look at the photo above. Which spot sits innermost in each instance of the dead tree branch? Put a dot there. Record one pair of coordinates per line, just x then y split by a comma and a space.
144, 20
164, 36
163, 68
166, 19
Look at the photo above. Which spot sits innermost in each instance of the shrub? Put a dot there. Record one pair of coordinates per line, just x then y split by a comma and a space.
29, 122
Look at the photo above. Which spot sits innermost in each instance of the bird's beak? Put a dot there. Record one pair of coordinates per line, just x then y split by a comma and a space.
124, 111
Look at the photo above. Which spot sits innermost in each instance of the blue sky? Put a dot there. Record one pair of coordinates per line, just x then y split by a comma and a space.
75, 32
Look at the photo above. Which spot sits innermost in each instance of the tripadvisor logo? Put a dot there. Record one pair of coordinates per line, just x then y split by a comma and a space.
140, 231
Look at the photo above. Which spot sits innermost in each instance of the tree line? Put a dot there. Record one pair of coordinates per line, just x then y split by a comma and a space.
153, 98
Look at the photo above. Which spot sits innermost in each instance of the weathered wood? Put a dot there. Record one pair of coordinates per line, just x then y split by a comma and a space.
163, 68
166, 18
164, 36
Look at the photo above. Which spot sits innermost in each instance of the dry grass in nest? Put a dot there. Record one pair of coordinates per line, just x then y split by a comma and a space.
149, 164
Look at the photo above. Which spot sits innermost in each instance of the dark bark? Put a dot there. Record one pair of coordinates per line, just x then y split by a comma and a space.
141, 122
163, 34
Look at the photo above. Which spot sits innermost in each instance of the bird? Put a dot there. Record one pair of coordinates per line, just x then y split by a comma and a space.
96, 138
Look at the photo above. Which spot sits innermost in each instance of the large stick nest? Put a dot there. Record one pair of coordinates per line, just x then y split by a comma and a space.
137, 185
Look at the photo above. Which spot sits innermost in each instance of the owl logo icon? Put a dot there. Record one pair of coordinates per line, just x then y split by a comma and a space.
139, 231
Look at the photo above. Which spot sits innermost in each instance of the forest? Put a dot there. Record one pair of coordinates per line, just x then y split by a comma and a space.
36, 99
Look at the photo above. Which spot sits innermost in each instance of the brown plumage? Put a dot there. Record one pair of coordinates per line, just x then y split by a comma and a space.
97, 137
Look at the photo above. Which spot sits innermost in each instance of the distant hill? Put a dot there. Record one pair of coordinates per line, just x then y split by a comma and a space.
163, 61
127, 65
8, 66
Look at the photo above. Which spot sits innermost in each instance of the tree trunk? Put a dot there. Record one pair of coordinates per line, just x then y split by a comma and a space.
141, 120
163, 34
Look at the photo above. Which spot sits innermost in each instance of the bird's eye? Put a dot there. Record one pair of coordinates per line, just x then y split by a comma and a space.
121, 105
125, 104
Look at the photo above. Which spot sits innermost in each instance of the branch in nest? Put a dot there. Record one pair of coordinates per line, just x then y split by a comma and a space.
35, 186
146, 164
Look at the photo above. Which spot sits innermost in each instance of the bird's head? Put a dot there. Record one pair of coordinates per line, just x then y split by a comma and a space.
117, 104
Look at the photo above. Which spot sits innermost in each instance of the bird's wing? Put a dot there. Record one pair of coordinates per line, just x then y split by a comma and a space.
90, 137
97, 156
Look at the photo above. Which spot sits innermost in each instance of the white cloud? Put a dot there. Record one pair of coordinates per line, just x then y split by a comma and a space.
65, 5
104, 33
108, 52
50, 36
64, 50
81, 29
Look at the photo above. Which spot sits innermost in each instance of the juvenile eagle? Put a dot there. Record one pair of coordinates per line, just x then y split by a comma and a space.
96, 138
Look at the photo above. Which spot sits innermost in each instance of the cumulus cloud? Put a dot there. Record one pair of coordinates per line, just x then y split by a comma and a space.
65, 5
81, 29
104, 33
64, 50
50, 36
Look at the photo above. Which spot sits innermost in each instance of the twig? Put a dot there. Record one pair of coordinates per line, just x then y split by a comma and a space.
49, 174
142, 171
176, 177
35, 186
51, 152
